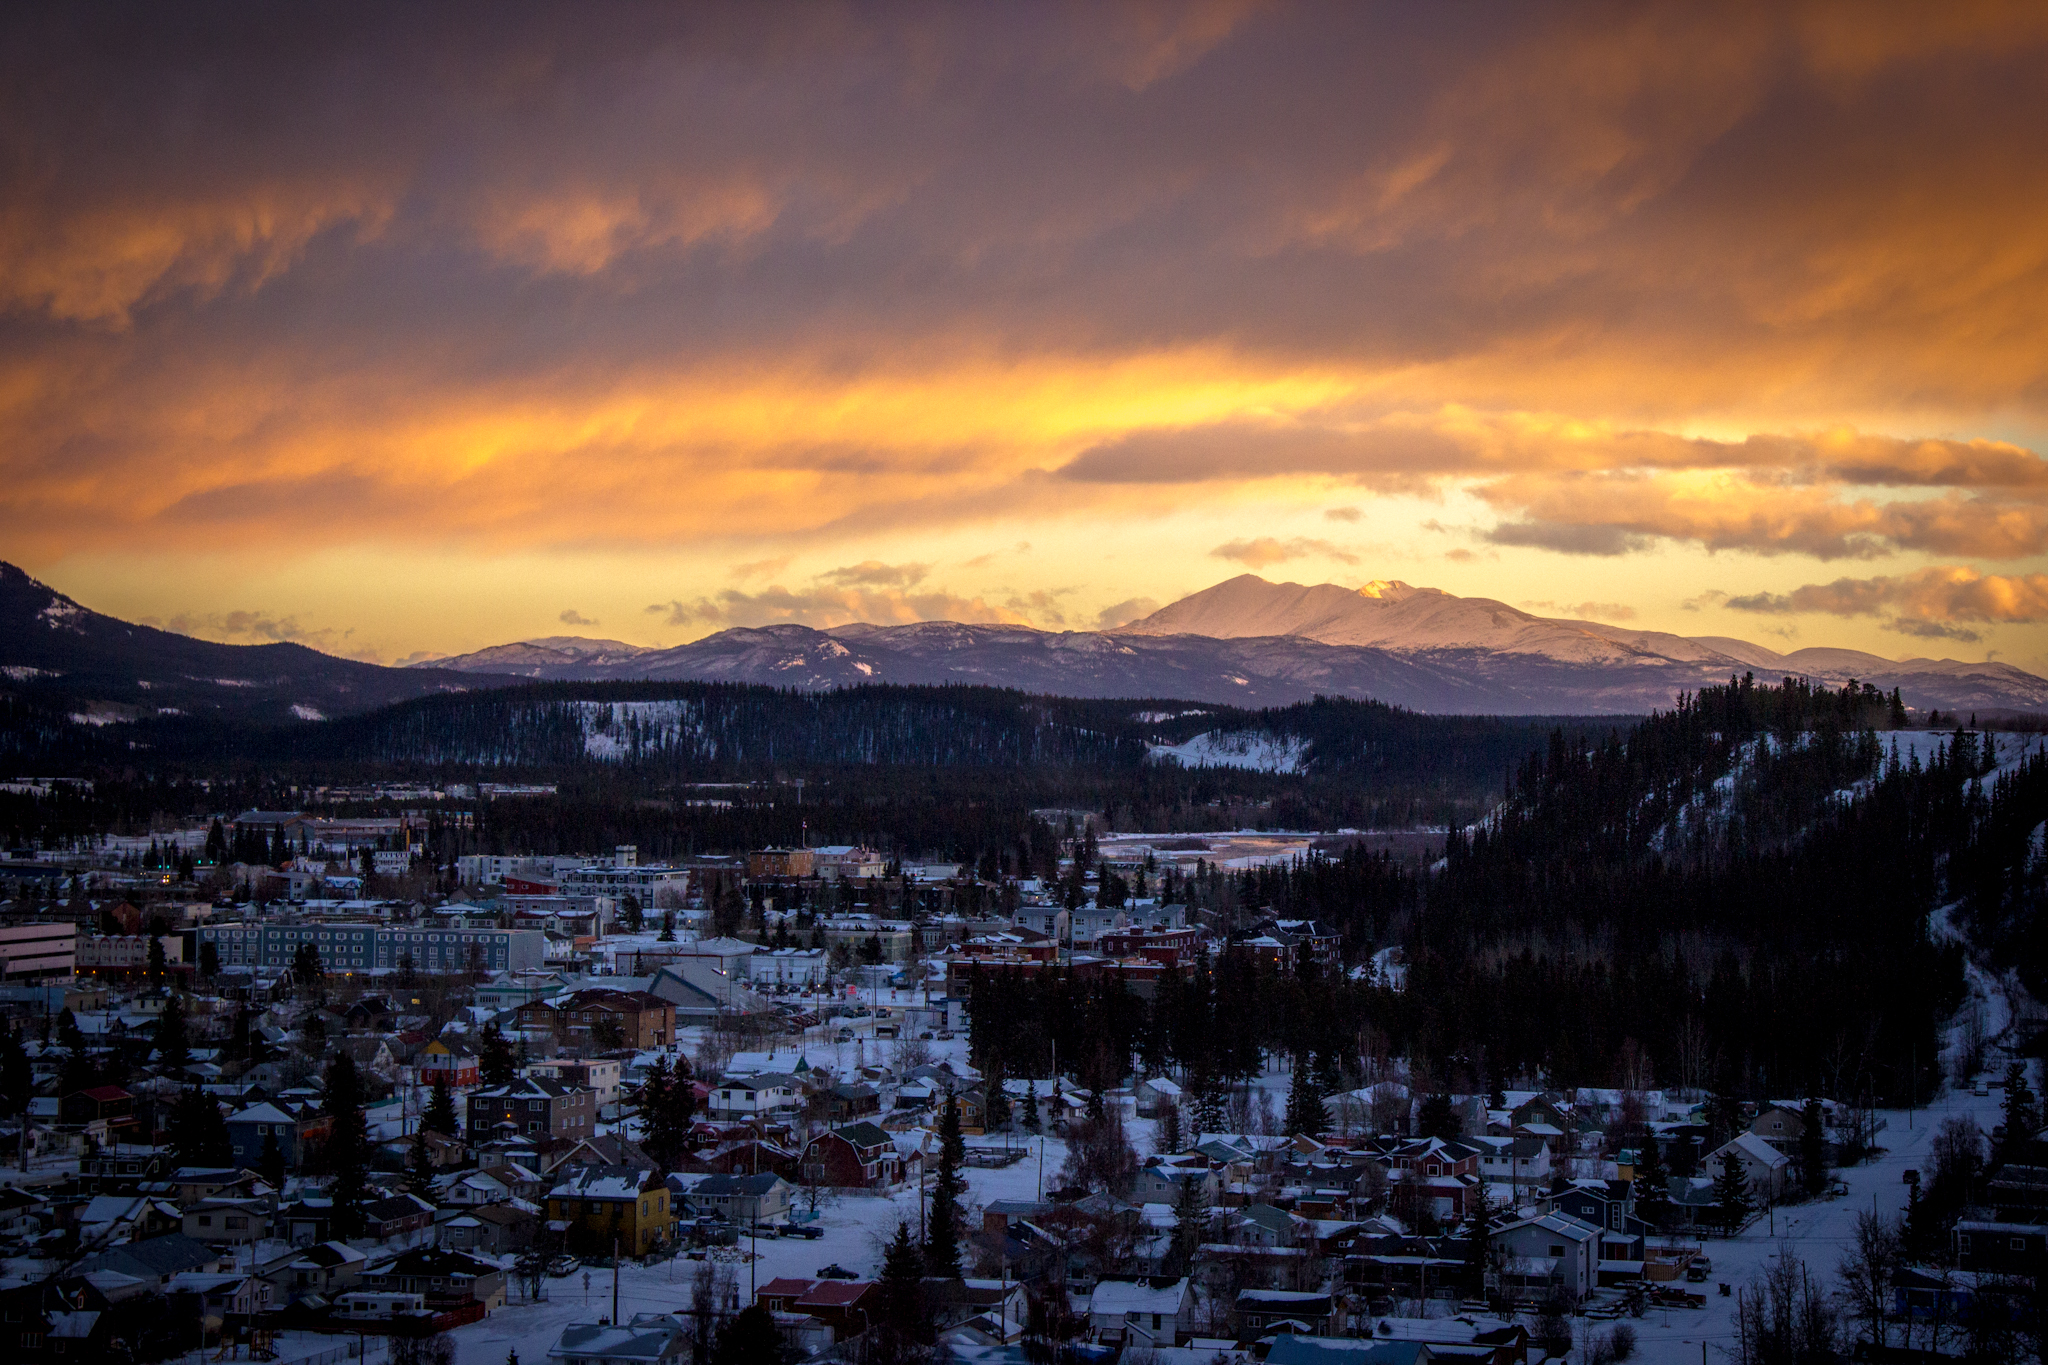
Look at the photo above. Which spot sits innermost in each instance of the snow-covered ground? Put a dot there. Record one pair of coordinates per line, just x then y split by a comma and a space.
1253, 749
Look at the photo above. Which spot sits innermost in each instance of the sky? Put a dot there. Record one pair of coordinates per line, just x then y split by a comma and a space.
407, 330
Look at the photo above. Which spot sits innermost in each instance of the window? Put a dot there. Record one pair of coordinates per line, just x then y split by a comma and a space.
1557, 1250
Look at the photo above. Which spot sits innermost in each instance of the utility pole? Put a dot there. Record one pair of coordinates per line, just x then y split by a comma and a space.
615, 1281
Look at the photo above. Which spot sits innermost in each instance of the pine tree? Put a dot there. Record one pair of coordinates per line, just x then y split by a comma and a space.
902, 1317
2022, 1111
197, 1131
497, 1063
1032, 1123
1210, 1115
347, 1152
1305, 1111
996, 1102
419, 1167
1190, 1220
1731, 1192
172, 1049
1439, 1118
270, 1161
1813, 1148
1170, 1139
750, 1338
440, 1114
942, 1226
1478, 1242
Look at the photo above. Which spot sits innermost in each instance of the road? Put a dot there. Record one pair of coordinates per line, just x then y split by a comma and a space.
1817, 1234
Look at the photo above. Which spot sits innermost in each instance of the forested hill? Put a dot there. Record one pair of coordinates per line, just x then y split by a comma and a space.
1734, 895
662, 731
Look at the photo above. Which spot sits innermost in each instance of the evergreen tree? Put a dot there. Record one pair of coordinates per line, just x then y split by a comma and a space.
1190, 1221
942, 1225
903, 1320
668, 927
1305, 1111
69, 1037
1813, 1149
159, 963
347, 1152
2022, 1111
1439, 1118
270, 1161
1170, 1138
198, 1131
750, 1338
209, 959
1731, 1193
1210, 1114
419, 1167
308, 972
1478, 1242
497, 1062
440, 1114
996, 1102
1032, 1123
17, 1076
172, 1048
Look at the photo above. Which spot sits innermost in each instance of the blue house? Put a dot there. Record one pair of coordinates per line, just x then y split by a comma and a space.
248, 1129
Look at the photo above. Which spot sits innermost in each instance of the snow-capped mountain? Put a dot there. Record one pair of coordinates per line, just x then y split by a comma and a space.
1251, 642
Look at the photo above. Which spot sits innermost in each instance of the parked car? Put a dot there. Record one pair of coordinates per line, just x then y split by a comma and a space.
562, 1265
810, 1230
836, 1271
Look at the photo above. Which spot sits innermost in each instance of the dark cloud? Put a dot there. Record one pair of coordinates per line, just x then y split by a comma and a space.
1567, 538
573, 617
1125, 612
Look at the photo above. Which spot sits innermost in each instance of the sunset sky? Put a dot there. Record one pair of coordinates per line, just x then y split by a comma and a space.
409, 330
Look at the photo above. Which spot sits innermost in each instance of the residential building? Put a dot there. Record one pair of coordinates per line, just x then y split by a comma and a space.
606, 1204
1305, 1313
1549, 1254
447, 1279
646, 1339
532, 1108
222, 1222
857, 1156
599, 1075
602, 1020
848, 862
1137, 1314
749, 1098
249, 1129
356, 947
744, 1198
1765, 1170
442, 1062
781, 862
37, 950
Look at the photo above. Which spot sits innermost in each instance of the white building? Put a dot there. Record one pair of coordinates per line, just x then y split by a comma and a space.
788, 967
29, 952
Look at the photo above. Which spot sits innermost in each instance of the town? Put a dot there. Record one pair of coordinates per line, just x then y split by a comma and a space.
284, 1084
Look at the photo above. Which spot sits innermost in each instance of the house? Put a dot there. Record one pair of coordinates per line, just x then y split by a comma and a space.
1549, 1254
398, 1218
744, 1099
842, 1306
156, 1260
108, 1104
447, 1279
1162, 1182
744, 1198
1150, 1095
372, 1055
224, 1296
607, 1205
325, 1269
645, 1339
220, 1221
2000, 1248
1780, 1125
1141, 1313
857, 1156
1306, 1313
607, 1149
532, 1108
249, 1129
1522, 1161
439, 1063
109, 1219
1765, 1170
490, 1230
597, 1074
590, 1021
851, 1101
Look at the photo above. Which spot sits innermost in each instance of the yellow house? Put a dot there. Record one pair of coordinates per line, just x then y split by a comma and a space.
606, 1204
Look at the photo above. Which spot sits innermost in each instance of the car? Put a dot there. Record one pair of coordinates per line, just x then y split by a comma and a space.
810, 1230
836, 1271
845, 1035
768, 1229
562, 1265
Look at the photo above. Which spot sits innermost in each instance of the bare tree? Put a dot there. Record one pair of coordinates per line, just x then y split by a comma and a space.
1866, 1270
1786, 1318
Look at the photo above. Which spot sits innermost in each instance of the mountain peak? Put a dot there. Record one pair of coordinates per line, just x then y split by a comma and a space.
1394, 590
